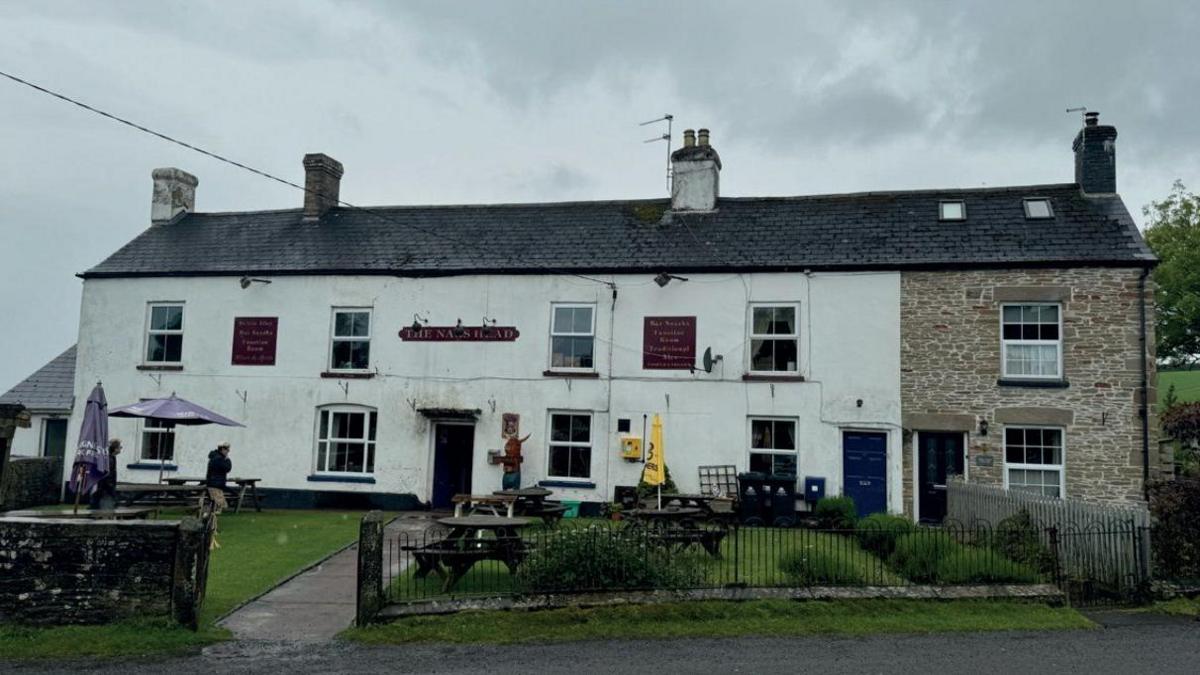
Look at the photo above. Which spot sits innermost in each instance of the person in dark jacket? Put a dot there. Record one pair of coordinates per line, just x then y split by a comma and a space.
219, 466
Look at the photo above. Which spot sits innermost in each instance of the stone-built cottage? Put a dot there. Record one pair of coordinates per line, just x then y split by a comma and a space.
879, 341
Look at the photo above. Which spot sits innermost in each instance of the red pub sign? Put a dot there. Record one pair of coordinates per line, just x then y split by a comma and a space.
254, 340
463, 334
669, 343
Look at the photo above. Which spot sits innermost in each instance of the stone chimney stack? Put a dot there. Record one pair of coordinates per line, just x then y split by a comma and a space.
1096, 156
322, 183
174, 192
695, 174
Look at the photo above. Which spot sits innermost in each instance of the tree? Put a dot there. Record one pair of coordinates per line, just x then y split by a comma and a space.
1182, 423
1173, 232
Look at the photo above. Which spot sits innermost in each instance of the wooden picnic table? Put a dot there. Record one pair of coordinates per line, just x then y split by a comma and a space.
239, 494
531, 501
492, 503
119, 513
679, 526
467, 543
700, 501
158, 494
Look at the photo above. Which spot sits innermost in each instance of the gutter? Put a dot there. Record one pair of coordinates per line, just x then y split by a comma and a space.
1145, 385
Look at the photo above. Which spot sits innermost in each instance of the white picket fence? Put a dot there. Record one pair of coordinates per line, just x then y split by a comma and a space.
1103, 543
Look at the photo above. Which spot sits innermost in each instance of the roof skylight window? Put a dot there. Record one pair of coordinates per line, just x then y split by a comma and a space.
952, 210
1036, 209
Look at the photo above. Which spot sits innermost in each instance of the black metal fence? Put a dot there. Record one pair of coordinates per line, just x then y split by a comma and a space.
588, 556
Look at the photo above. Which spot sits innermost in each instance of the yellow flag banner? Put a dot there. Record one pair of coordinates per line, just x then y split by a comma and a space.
655, 472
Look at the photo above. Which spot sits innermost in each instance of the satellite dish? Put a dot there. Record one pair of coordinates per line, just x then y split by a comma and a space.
708, 359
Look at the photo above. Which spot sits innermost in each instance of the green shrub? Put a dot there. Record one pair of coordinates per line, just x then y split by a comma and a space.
647, 491
918, 554
1017, 539
877, 532
981, 566
836, 513
813, 565
603, 558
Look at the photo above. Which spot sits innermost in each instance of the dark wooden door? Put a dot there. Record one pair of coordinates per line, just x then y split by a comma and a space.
941, 456
453, 447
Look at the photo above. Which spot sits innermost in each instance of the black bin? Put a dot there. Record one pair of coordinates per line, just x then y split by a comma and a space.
782, 488
751, 497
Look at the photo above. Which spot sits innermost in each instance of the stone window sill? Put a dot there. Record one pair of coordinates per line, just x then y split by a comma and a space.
1032, 384
586, 375
353, 375
579, 485
161, 367
764, 377
321, 478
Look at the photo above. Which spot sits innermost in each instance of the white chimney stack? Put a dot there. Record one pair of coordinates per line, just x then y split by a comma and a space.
174, 192
695, 174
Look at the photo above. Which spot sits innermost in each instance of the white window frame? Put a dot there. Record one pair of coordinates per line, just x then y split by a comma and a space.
751, 336
1049, 208
942, 213
554, 307
150, 331
157, 430
1061, 467
795, 422
1005, 342
551, 444
370, 446
334, 338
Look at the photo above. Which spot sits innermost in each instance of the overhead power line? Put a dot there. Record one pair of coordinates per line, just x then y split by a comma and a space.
283, 181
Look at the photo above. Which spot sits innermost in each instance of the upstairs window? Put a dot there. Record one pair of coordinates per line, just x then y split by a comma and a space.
346, 440
952, 209
570, 445
774, 338
164, 333
1031, 341
1033, 459
158, 442
773, 446
351, 340
572, 337
1037, 209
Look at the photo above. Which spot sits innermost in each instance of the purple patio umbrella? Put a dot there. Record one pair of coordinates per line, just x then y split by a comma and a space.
172, 411
91, 452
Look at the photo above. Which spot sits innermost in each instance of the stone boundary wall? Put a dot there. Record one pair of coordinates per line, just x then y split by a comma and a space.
30, 481
63, 571
950, 367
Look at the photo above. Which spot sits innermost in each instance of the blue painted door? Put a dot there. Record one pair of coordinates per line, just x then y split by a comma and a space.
864, 470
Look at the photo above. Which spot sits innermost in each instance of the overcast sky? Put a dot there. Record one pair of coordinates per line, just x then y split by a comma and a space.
440, 102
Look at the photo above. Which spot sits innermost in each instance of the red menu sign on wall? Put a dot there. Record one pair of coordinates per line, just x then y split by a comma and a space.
669, 343
254, 340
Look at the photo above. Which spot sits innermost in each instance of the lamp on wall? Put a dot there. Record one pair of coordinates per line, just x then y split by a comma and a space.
983, 427
416, 324
663, 279
488, 325
246, 281
459, 329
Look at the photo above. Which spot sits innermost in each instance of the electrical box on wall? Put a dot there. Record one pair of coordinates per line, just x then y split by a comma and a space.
631, 448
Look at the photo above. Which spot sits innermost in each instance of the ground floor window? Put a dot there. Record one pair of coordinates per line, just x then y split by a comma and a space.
570, 445
773, 446
346, 440
158, 441
1033, 458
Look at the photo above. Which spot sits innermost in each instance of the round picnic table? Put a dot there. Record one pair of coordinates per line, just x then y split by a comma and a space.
533, 494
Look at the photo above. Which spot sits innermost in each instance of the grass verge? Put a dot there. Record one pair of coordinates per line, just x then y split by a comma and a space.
258, 551
1179, 607
723, 619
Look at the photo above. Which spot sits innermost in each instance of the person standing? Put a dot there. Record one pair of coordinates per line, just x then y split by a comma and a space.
104, 497
219, 466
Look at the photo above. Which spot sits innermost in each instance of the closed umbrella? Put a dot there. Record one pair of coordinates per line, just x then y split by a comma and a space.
91, 452
655, 472
172, 411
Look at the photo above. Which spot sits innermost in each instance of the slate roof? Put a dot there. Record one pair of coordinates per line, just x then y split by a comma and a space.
52, 387
876, 230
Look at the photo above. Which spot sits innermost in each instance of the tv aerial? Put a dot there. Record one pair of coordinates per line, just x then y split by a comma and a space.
668, 118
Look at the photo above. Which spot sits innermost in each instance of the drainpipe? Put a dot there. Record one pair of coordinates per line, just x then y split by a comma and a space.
1145, 386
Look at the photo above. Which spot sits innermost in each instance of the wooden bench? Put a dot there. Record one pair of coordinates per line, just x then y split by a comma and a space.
492, 503
709, 539
452, 559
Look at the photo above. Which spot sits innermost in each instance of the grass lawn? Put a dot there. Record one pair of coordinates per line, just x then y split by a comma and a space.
1187, 385
258, 550
1179, 607
723, 619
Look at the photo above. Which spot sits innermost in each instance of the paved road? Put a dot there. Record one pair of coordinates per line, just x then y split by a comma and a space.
1128, 644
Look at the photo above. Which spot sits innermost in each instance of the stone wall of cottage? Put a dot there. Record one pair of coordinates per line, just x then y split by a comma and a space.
950, 367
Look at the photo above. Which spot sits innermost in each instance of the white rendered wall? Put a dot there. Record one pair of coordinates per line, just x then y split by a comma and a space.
849, 351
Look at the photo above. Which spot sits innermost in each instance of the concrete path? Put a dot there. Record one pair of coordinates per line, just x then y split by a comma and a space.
314, 606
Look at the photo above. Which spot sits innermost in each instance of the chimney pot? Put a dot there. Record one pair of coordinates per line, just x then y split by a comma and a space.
689, 138
695, 174
322, 184
702, 138
174, 192
1091, 119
